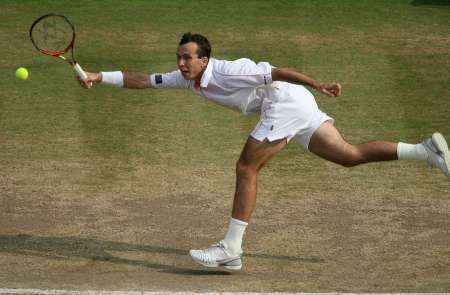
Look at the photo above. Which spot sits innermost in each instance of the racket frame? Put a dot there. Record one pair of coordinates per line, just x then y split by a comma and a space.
59, 54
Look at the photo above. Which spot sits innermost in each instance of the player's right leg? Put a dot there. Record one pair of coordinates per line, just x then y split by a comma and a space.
328, 143
227, 253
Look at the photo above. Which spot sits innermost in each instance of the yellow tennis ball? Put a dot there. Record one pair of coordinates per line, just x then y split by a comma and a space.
22, 74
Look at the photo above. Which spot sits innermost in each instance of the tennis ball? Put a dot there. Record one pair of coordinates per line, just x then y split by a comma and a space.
22, 74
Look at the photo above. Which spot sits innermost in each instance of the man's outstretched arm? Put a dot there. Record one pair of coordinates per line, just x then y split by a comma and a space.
288, 75
130, 80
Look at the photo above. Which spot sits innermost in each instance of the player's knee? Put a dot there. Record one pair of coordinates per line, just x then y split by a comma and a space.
243, 168
352, 157
349, 163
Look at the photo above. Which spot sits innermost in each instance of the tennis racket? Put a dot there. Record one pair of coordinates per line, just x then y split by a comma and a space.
53, 34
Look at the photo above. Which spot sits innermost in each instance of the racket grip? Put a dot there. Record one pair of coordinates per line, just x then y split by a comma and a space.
80, 72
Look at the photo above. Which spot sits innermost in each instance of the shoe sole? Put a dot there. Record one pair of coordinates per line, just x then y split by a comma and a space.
441, 145
230, 267
233, 267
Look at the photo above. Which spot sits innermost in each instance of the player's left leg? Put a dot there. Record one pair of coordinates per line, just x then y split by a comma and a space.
328, 143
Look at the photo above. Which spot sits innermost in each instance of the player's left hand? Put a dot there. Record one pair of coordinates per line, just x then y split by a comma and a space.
333, 90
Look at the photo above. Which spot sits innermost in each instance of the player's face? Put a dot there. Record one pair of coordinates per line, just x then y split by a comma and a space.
190, 65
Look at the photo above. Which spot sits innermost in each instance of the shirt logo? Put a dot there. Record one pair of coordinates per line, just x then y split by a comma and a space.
158, 79
265, 81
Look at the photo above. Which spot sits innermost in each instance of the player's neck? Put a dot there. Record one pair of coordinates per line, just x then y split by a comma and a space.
200, 75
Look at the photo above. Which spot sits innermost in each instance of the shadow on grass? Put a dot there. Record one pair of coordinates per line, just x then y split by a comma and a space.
64, 248
430, 2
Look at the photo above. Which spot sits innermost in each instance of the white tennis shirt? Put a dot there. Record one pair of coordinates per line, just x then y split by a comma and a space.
233, 84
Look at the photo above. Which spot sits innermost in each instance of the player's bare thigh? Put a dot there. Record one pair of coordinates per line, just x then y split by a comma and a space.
328, 143
256, 153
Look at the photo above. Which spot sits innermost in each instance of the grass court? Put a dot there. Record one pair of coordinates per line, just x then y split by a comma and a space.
109, 188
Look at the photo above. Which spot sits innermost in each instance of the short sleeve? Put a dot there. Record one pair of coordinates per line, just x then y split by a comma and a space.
169, 80
245, 73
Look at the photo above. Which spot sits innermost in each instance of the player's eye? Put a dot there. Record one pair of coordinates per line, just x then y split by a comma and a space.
183, 57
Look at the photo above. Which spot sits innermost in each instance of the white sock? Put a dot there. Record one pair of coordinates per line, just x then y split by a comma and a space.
235, 233
406, 151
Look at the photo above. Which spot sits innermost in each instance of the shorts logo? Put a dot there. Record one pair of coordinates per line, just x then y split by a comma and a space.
158, 79
265, 81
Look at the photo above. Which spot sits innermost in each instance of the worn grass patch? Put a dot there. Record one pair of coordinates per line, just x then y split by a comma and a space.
109, 189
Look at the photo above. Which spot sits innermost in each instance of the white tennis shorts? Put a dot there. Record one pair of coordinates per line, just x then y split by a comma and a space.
289, 111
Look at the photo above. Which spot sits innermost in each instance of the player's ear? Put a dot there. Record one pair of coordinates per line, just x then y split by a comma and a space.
205, 60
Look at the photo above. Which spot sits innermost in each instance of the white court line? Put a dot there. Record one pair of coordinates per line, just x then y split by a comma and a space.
106, 292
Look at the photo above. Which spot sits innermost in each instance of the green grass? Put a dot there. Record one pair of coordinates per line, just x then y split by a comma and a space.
392, 57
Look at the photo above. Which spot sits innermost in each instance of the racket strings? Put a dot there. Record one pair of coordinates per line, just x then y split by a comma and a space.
53, 34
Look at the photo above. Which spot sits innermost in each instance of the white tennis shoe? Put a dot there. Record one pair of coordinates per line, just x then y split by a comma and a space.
217, 256
438, 153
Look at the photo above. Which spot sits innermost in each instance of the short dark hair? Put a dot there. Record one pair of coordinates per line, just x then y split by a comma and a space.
204, 48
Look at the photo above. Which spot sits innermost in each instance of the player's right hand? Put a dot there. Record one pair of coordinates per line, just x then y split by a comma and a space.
91, 79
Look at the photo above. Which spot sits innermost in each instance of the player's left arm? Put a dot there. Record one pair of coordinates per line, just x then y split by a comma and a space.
289, 75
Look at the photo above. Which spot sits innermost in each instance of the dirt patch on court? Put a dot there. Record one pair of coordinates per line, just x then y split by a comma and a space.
317, 227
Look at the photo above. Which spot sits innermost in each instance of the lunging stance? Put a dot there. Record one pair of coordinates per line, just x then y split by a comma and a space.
288, 111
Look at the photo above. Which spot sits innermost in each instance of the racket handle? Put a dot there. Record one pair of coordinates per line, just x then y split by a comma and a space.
80, 72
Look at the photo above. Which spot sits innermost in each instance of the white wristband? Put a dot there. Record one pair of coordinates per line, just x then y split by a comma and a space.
112, 78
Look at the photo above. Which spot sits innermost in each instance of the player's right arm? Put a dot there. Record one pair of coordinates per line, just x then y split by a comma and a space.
132, 80
135, 80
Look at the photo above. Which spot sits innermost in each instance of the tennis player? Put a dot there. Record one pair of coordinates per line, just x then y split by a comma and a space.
288, 111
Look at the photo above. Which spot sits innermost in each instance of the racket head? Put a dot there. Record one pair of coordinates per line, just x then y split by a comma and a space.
52, 34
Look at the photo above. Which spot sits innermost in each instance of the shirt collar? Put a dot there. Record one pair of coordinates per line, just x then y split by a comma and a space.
207, 74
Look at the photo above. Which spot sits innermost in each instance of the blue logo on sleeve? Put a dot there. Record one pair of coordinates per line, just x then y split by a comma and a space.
158, 79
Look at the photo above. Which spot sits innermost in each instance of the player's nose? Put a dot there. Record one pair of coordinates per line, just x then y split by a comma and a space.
180, 63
